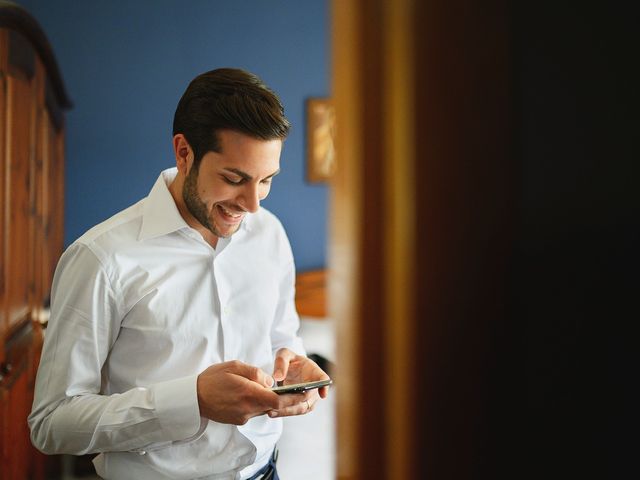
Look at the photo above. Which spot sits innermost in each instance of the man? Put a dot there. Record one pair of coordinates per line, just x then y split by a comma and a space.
167, 318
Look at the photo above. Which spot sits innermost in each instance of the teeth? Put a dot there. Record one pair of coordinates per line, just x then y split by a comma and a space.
227, 212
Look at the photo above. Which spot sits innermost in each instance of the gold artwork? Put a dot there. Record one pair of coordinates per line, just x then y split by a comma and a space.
321, 153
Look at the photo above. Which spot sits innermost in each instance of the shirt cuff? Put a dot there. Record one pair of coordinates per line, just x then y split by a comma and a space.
177, 407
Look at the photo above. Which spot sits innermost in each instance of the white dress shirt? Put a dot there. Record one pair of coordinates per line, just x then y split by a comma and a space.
140, 305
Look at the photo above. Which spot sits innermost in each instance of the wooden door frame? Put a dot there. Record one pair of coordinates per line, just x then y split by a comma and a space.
371, 247
420, 222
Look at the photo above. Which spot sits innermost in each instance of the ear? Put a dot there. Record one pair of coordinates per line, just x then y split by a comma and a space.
183, 153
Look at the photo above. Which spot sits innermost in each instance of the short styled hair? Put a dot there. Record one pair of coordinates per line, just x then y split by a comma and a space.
228, 99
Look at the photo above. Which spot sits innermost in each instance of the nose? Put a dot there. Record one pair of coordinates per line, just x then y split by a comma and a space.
249, 198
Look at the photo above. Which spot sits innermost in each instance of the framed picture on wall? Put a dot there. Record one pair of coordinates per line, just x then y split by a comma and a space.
321, 153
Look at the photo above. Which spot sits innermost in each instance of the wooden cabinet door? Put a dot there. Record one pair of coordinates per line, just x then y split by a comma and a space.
17, 393
17, 445
50, 204
47, 172
3, 104
39, 171
19, 138
31, 227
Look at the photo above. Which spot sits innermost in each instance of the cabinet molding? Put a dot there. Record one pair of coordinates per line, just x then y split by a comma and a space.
15, 18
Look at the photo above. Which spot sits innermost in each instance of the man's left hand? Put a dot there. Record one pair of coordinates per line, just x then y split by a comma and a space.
291, 368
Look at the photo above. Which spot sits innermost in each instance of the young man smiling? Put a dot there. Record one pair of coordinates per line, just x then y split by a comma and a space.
171, 320
215, 194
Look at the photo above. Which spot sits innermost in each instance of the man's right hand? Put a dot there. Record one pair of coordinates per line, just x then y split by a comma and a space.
233, 392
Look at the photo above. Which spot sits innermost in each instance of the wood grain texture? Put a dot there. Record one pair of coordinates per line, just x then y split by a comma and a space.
31, 234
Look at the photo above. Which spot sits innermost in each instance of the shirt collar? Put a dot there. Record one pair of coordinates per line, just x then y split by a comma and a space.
160, 213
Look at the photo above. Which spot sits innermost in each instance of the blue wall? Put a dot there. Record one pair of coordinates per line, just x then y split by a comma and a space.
126, 64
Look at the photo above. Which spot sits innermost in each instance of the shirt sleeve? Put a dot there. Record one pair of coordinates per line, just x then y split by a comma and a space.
70, 413
284, 332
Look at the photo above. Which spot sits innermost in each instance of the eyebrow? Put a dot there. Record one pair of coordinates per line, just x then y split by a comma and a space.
246, 176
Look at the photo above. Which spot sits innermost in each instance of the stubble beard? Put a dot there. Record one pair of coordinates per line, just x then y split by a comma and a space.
197, 207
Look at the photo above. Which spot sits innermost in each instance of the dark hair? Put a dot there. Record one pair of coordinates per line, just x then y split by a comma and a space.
228, 98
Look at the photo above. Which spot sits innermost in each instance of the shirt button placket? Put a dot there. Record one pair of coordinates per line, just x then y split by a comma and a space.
226, 313
219, 301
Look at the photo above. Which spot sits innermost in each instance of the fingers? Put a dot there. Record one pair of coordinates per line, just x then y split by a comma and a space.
281, 365
323, 392
251, 372
302, 404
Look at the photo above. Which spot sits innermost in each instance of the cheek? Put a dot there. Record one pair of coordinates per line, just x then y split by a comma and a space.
205, 197
213, 193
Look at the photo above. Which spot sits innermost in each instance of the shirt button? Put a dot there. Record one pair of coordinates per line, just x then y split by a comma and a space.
142, 452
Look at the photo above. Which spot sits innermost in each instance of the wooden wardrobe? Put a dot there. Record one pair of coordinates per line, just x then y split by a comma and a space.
32, 101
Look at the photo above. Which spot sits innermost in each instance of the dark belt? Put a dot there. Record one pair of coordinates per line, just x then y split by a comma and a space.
268, 472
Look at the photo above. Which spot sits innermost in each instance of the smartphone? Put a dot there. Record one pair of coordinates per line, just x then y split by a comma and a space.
300, 387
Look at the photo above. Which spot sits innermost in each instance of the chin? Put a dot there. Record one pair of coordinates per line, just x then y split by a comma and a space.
225, 233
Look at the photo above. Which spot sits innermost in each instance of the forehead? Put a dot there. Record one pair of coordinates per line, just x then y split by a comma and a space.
240, 151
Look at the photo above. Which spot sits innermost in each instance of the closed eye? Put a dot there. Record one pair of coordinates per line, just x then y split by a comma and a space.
238, 177
232, 181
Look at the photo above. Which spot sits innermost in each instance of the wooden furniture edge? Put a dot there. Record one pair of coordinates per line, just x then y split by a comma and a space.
16, 18
311, 296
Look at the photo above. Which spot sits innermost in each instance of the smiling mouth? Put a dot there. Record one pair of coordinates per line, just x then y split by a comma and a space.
230, 216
